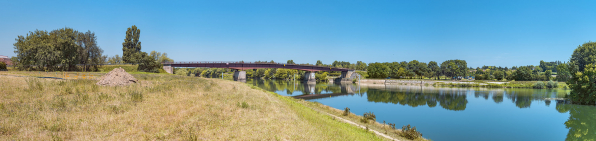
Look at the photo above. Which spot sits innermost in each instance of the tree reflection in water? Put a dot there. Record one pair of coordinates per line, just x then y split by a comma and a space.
581, 122
454, 102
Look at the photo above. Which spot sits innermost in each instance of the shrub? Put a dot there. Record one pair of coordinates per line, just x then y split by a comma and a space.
551, 84
243, 104
539, 85
410, 133
346, 111
2, 66
370, 116
582, 86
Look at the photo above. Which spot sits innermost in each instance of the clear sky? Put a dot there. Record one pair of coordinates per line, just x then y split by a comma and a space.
501, 33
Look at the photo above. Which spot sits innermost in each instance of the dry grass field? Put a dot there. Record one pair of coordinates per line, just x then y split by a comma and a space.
160, 107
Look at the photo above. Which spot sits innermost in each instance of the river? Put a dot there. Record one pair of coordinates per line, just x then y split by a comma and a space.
450, 114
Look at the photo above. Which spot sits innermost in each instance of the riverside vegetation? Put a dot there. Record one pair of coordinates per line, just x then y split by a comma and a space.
160, 107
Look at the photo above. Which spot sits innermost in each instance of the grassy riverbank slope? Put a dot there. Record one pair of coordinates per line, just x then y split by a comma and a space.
160, 107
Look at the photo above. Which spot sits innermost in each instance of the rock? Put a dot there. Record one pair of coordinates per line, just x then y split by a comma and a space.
117, 77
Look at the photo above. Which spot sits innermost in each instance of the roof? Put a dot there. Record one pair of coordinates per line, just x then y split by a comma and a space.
2, 56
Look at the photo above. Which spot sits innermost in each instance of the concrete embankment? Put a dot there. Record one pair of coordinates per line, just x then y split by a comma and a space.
396, 82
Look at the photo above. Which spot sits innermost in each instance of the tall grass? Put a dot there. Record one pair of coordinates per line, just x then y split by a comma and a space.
159, 107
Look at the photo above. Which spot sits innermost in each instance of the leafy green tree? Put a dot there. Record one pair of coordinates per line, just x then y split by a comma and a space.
319, 63
291, 62
402, 73
360, 65
2, 66
131, 47
422, 70
378, 70
563, 72
160, 57
583, 88
499, 75
434, 69
181, 71
584, 55
148, 64
523, 73
547, 74
115, 59
413, 67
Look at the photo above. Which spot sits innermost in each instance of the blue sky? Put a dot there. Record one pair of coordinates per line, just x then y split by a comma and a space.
501, 33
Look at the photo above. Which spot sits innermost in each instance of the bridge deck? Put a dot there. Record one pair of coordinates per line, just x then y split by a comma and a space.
250, 65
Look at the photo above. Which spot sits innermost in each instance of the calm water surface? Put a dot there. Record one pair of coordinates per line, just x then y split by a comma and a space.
455, 113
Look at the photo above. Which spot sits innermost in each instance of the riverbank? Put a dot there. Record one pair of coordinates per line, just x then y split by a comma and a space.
159, 107
448, 83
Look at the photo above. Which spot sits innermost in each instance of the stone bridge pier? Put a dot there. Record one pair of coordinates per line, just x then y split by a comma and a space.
240, 76
309, 77
168, 69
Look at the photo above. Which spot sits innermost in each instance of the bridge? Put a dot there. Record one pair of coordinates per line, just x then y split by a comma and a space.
240, 66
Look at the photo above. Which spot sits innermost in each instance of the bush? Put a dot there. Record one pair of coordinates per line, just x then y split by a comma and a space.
539, 85
410, 133
582, 86
148, 64
551, 84
346, 111
370, 116
2, 66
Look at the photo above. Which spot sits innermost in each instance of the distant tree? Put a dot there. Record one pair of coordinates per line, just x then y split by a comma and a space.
434, 69
291, 62
402, 73
563, 72
584, 55
148, 64
2, 66
131, 47
115, 59
499, 75
523, 73
319, 63
547, 74
160, 57
422, 70
378, 70
359, 65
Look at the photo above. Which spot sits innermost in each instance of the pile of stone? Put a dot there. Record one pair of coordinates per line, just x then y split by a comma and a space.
117, 77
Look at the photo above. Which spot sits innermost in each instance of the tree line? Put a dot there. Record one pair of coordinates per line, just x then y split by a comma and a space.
61, 49
416, 69
67, 49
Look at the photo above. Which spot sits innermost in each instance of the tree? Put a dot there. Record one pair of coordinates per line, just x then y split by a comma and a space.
499, 75
422, 70
115, 59
563, 72
90, 54
583, 88
60, 49
433, 69
378, 70
2, 66
523, 73
547, 74
291, 62
412, 67
148, 64
160, 57
584, 55
131, 47
360, 65
453, 68
319, 63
